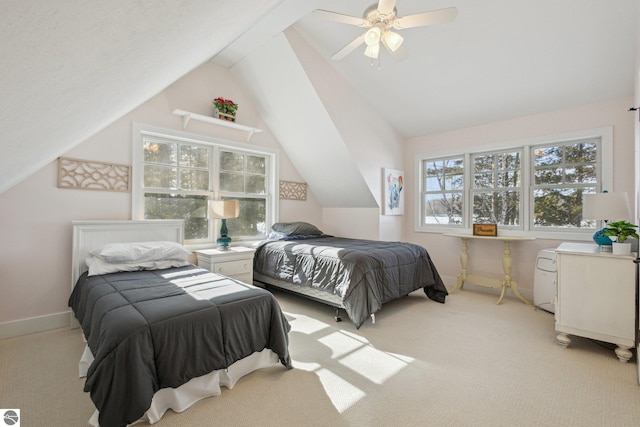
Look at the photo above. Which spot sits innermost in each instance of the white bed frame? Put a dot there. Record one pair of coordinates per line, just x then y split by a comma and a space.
88, 235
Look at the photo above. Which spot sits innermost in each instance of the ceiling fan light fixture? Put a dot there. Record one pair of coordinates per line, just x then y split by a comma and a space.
392, 40
372, 36
372, 51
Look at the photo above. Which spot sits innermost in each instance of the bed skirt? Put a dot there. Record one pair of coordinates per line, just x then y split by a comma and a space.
181, 398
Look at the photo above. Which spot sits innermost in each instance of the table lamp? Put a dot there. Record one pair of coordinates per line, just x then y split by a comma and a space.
606, 207
223, 210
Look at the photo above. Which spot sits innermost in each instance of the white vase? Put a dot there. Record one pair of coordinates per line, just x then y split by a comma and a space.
621, 248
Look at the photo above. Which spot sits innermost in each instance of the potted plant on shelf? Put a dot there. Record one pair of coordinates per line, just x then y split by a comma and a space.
225, 109
618, 232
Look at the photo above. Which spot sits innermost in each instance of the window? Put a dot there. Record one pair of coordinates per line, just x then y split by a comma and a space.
497, 188
444, 190
561, 175
535, 187
175, 175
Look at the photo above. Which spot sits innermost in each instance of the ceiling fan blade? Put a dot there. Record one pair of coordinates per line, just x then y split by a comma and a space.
348, 48
385, 7
441, 16
339, 17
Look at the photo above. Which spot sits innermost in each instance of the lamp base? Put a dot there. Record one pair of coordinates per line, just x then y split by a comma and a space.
602, 240
224, 242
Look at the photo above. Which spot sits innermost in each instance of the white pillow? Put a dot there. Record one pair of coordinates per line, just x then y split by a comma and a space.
98, 266
141, 252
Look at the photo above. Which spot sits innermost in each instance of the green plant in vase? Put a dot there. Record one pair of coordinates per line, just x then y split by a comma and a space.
621, 230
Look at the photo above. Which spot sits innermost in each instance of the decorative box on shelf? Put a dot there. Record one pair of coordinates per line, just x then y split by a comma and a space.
228, 117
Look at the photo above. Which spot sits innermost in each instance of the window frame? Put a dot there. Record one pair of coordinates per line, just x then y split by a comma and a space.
605, 134
140, 131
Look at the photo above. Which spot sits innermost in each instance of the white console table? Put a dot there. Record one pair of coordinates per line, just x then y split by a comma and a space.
596, 296
507, 263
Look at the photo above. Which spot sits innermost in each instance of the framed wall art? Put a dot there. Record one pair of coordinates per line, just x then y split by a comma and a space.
392, 192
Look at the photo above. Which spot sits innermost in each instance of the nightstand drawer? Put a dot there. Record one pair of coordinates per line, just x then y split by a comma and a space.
232, 268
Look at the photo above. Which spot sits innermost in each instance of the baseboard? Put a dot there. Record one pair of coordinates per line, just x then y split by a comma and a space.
34, 324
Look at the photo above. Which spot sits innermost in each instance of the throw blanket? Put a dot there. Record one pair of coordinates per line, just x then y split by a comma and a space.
154, 329
364, 273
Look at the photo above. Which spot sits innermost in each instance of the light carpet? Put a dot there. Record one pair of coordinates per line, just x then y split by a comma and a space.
468, 362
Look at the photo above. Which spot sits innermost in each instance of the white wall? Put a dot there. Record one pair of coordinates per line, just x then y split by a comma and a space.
371, 141
486, 257
35, 215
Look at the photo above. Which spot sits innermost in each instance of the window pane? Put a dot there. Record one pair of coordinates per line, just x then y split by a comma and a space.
560, 207
255, 184
232, 182
545, 156
581, 153
508, 179
160, 177
159, 152
443, 208
444, 175
194, 156
497, 207
581, 174
551, 175
252, 220
193, 209
256, 165
191, 179
483, 180
483, 163
231, 162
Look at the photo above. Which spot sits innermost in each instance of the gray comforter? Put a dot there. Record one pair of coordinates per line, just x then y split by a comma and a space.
364, 273
154, 329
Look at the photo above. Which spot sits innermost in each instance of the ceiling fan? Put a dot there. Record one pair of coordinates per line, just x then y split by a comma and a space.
379, 20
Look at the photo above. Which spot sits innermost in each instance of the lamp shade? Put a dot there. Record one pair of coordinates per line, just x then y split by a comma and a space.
606, 206
223, 209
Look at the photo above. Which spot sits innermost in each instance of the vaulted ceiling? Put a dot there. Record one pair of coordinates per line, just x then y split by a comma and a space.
71, 68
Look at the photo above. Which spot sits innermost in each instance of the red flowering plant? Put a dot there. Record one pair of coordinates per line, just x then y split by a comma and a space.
225, 106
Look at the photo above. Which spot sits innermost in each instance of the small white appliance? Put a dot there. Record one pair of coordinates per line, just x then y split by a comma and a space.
545, 280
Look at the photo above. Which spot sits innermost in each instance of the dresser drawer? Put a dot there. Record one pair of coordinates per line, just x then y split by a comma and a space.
231, 268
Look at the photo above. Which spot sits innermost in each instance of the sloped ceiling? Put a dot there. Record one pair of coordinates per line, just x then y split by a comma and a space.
70, 68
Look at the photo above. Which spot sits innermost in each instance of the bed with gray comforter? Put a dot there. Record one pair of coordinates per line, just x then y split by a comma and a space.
362, 274
149, 330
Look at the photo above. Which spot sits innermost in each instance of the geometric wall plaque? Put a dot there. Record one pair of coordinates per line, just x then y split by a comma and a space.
90, 175
290, 190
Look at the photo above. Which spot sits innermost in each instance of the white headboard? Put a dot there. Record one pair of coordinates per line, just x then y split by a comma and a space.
88, 235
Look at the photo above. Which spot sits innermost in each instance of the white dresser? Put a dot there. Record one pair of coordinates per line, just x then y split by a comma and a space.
596, 296
235, 262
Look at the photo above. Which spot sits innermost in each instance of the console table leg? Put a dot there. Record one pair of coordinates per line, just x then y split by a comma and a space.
464, 262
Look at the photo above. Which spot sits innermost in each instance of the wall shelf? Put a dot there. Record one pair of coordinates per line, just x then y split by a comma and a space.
187, 115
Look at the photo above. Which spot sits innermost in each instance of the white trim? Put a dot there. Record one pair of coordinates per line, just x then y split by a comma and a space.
32, 325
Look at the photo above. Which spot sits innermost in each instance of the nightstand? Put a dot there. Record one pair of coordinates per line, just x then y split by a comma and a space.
596, 296
235, 262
